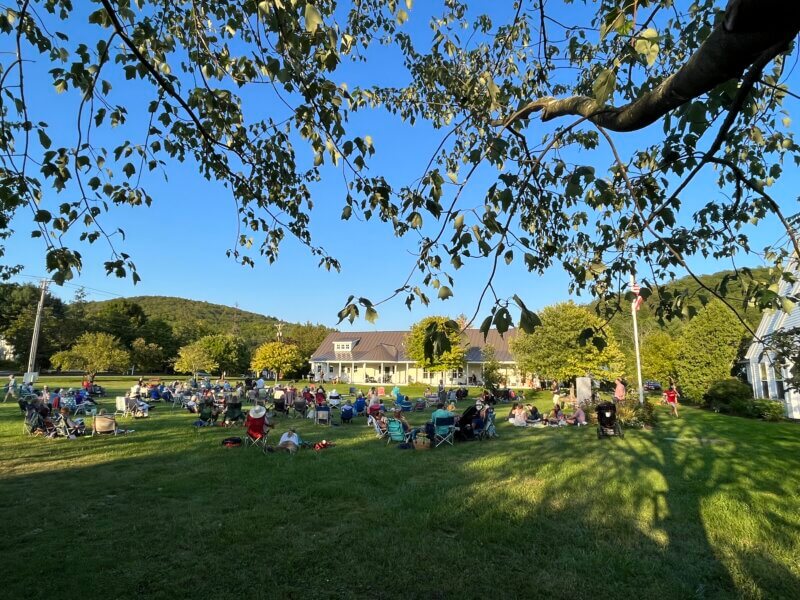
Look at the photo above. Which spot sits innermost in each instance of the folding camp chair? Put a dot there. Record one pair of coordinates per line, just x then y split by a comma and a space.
376, 424
104, 425
34, 422
121, 406
396, 433
299, 407
489, 430
439, 424
323, 415
352, 392
256, 438
381, 391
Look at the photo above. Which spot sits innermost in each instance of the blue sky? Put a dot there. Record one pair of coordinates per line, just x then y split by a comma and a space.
179, 243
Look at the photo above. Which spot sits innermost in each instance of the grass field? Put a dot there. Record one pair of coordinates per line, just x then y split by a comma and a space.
705, 506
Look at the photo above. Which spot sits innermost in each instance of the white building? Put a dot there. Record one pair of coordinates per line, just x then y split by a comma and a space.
763, 373
379, 357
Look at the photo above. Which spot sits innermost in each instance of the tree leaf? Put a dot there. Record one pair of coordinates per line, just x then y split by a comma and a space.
313, 18
603, 86
445, 292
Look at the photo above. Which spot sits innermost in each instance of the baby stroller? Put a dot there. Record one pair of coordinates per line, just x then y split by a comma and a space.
607, 423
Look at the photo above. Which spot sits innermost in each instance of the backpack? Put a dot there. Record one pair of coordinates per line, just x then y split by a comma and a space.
232, 442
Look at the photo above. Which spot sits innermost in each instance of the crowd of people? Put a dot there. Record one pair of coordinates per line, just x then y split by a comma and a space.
221, 403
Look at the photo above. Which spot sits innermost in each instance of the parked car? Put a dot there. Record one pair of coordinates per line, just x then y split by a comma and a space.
203, 375
652, 386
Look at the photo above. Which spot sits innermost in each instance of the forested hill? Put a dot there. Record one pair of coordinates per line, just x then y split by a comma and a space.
695, 296
182, 315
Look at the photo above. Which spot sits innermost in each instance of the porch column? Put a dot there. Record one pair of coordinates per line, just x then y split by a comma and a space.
353, 371
381, 379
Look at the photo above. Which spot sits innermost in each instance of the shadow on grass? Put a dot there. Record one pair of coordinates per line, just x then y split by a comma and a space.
168, 512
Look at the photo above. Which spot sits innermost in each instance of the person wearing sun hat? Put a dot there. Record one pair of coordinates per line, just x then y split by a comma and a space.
257, 423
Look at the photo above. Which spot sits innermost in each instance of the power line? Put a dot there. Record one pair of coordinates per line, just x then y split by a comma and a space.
76, 286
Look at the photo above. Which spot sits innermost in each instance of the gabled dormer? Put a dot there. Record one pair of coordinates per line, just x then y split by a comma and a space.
344, 345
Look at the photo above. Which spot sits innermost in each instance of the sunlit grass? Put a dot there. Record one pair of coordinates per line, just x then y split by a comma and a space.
168, 512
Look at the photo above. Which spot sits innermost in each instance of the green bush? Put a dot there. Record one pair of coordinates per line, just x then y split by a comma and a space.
769, 410
723, 394
632, 414
742, 408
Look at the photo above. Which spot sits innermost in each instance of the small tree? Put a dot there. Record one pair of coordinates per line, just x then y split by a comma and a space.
193, 358
147, 357
277, 357
659, 355
708, 347
228, 351
492, 378
93, 353
559, 348
430, 327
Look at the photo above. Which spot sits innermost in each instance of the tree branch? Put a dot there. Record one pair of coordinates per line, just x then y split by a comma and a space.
751, 30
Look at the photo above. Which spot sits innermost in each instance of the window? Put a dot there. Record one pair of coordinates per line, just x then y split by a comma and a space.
456, 373
781, 390
342, 346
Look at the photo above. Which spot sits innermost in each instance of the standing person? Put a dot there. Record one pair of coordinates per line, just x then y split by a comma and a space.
619, 391
671, 396
11, 390
556, 393
442, 395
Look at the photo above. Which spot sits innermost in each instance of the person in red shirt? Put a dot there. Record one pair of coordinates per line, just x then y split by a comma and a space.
671, 396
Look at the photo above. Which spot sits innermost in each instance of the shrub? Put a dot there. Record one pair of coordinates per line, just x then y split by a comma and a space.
769, 410
722, 394
632, 414
742, 408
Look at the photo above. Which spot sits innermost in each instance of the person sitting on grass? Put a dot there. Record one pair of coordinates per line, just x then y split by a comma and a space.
534, 416
520, 418
512, 412
556, 417
578, 417
347, 412
289, 442
209, 413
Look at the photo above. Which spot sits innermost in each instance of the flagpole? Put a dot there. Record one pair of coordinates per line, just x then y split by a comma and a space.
635, 289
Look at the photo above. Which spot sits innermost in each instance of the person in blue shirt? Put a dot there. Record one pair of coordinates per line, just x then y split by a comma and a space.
439, 413
347, 412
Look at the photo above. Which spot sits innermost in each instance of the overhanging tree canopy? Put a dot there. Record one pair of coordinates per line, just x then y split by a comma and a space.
710, 72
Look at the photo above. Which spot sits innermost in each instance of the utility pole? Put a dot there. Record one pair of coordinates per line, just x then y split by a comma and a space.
36, 329
634, 309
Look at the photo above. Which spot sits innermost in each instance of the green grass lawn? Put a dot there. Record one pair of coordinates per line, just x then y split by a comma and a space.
705, 506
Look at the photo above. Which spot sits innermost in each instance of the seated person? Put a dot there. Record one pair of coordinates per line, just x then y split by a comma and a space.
209, 413
234, 414
347, 412
466, 430
381, 420
193, 405
534, 416
439, 413
319, 398
398, 415
361, 404
335, 398
257, 424
75, 428
577, 418
520, 418
556, 416
512, 412
289, 442
374, 406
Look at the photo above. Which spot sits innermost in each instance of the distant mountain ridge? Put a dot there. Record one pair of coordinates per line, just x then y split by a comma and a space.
182, 313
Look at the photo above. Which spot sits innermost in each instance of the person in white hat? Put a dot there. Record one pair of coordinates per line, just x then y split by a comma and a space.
257, 423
